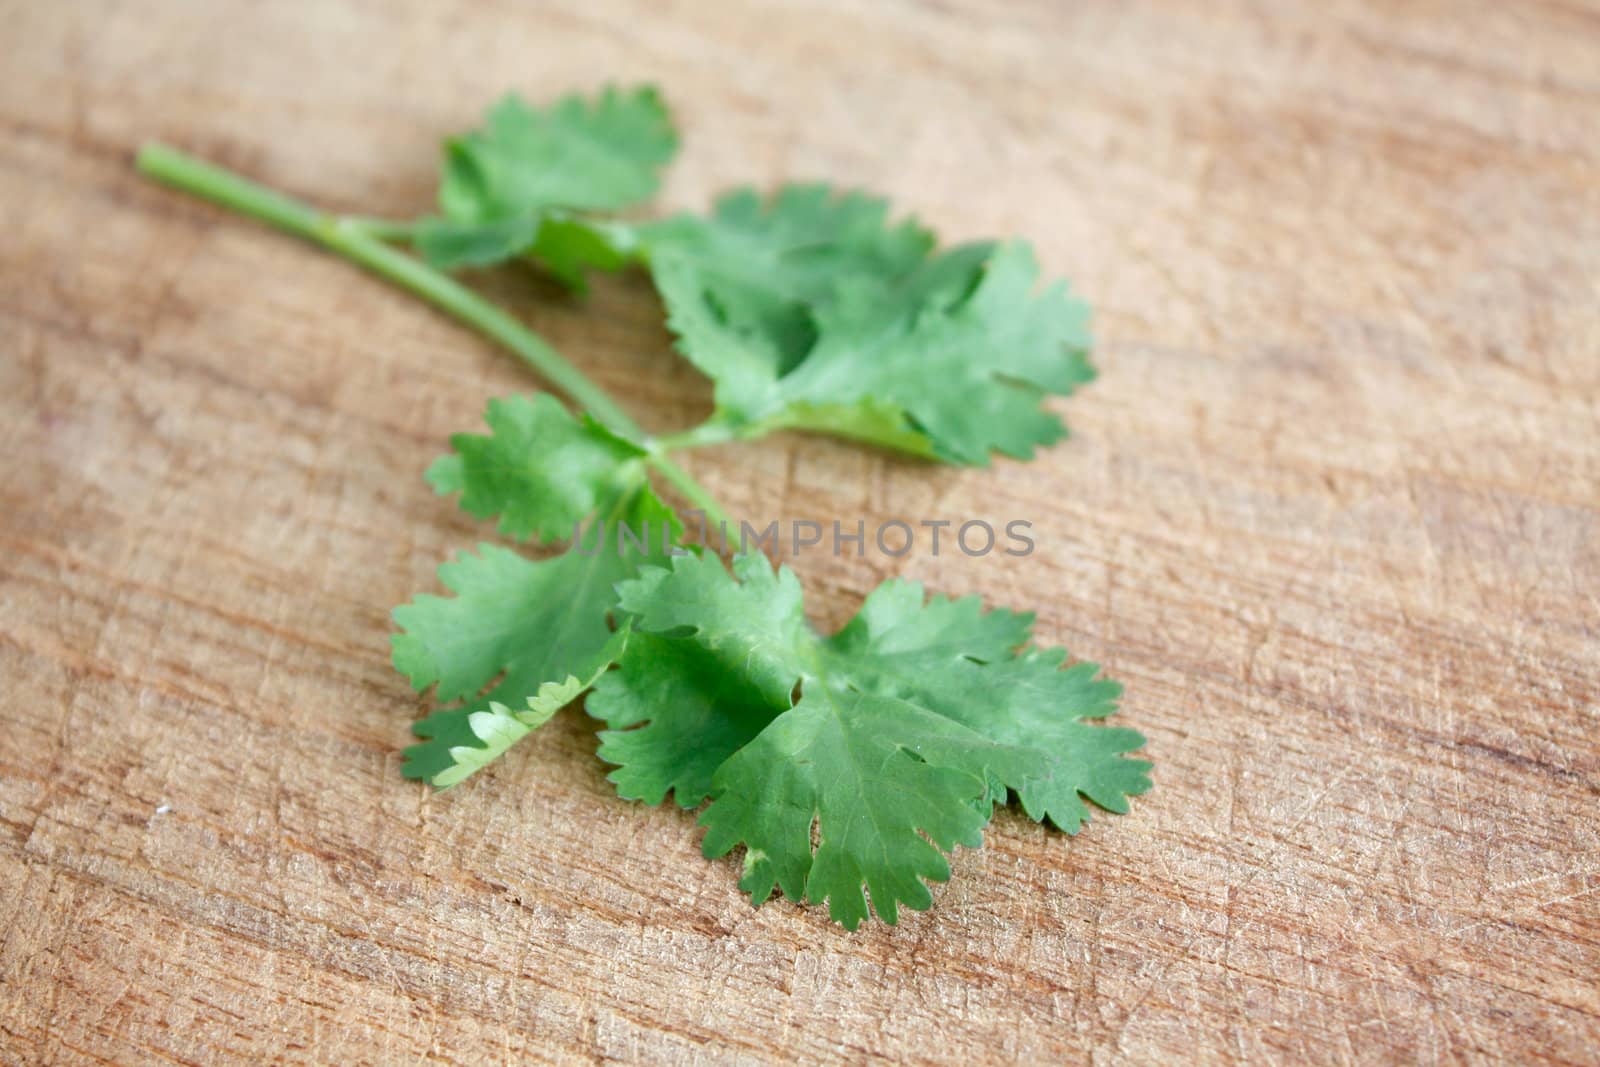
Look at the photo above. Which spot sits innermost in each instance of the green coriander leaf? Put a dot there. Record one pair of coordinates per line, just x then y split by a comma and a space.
1011, 700
759, 270
516, 624
874, 774
969, 367
579, 154
677, 709
498, 728
676, 713
868, 419
513, 185
909, 723
812, 312
569, 248
449, 243
540, 469
755, 626
898, 620
1078, 760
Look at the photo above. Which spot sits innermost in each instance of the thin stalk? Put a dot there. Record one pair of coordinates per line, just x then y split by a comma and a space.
697, 494
707, 433
384, 229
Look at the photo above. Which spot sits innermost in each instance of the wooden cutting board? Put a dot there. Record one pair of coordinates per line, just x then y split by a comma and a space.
1332, 513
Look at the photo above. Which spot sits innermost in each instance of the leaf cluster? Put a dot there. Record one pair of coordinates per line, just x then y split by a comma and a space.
846, 766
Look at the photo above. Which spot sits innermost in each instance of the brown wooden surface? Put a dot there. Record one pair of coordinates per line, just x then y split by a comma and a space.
1331, 513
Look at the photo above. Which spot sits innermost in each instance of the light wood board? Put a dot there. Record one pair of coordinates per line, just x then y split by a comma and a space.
1331, 513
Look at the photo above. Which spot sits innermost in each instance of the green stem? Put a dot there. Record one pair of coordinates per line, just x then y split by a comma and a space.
357, 241
697, 494
707, 433
384, 229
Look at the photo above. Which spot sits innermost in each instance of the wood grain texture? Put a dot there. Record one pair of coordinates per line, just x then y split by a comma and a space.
1332, 513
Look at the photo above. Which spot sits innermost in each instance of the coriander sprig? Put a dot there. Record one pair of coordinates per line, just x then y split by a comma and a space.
889, 742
